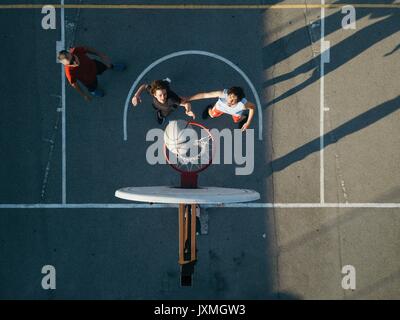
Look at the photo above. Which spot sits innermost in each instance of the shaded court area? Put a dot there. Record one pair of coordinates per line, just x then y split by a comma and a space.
93, 256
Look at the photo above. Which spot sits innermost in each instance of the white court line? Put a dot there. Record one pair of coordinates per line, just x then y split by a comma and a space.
322, 106
230, 205
63, 104
193, 52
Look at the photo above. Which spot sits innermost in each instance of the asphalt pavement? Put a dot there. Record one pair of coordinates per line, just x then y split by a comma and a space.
248, 253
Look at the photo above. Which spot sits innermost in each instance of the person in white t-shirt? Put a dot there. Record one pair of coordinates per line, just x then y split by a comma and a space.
230, 101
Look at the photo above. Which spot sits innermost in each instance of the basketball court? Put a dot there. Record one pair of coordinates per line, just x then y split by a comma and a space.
326, 153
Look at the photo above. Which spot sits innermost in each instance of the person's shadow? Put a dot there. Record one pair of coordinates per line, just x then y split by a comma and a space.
360, 122
340, 53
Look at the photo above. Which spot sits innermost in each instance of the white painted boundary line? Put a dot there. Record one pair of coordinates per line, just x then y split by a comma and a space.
322, 106
63, 105
193, 52
230, 205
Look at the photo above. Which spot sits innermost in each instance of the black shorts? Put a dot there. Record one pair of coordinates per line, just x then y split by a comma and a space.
100, 68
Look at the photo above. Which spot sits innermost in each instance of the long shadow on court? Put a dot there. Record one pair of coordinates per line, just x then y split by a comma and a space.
358, 220
358, 123
279, 49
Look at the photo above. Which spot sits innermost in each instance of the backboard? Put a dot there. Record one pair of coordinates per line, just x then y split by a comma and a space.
203, 195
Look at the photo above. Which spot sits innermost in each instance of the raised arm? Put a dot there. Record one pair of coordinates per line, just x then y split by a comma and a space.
205, 95
136, 98
249, 106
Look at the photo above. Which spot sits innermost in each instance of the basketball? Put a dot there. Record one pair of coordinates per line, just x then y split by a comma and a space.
174, 137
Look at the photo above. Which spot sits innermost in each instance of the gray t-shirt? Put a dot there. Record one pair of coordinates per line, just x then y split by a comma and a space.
173, 101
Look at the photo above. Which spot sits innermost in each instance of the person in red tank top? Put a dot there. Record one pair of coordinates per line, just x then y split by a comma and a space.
78, 66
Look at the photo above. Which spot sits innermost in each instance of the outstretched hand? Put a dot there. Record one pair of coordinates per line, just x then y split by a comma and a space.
136, 100
191, 114
245, 126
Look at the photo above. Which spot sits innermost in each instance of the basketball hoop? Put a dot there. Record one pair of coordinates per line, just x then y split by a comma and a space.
189, 149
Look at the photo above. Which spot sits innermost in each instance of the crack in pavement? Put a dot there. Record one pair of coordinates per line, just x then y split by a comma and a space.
51, 141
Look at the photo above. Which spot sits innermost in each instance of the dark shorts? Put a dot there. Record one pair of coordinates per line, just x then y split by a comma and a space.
100, 68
